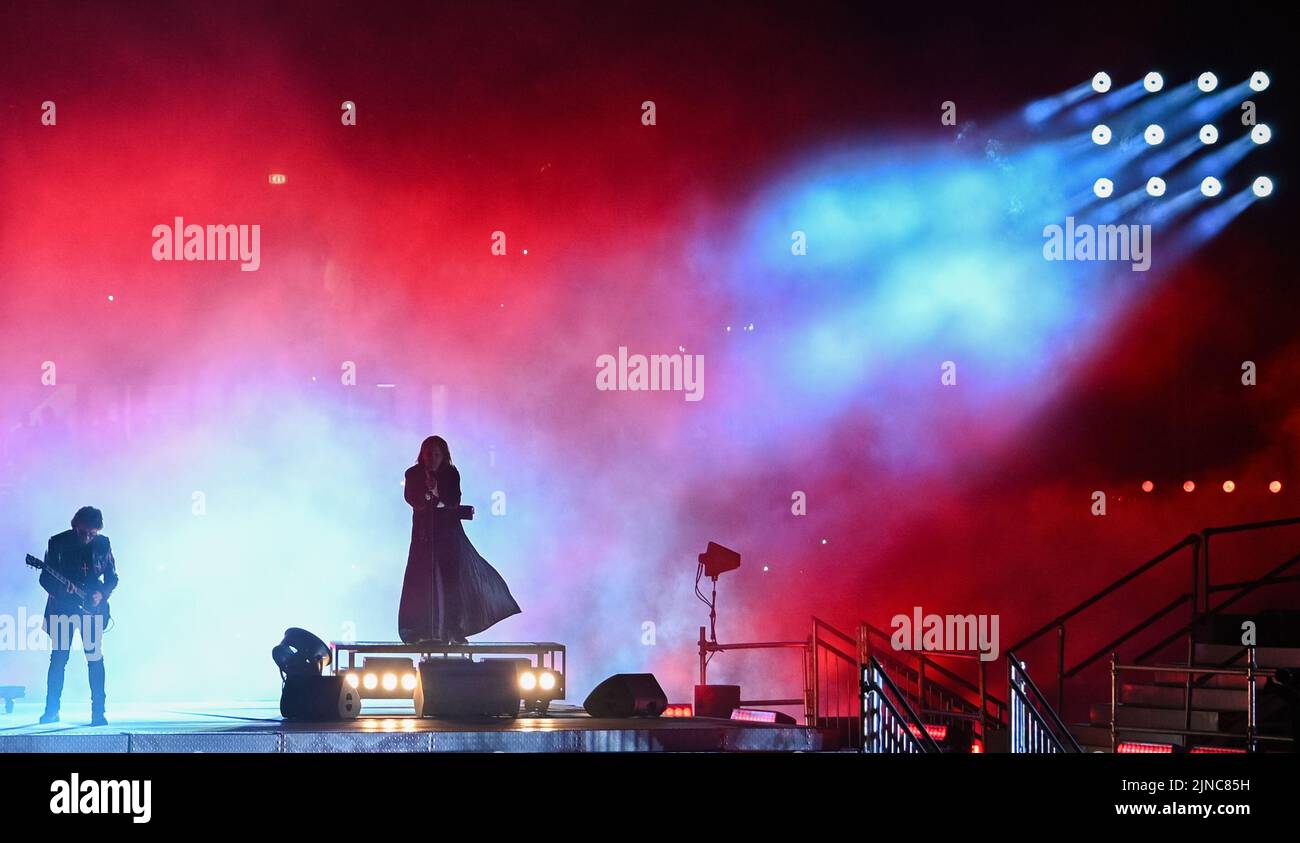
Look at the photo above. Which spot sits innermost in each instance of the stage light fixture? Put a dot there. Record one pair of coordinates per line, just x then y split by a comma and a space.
1154, 135
390, 681
1103, 188
1141, 748
300, 653
527, 681
1207, 82
1275, 487
1153, 82
1209, 134
546, 681
371, 681
1155, 187
1189, 486
1101, 82
352, 680
1101, 134
1148, 486
1262, 187
1210, 186
936, 731
1229, 486
1258, 80
408, 682
1261, 133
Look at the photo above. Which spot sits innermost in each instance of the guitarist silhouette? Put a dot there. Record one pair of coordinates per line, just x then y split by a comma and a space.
79, 573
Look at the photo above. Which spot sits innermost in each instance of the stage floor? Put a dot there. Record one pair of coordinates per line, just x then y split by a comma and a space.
256, 727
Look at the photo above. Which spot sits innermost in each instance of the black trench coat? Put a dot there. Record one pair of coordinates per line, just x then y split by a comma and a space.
449, 589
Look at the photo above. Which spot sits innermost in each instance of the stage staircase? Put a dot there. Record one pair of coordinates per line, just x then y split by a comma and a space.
947, 691
1192, 686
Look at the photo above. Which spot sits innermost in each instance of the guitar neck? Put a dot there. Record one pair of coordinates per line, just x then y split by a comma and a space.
61, 579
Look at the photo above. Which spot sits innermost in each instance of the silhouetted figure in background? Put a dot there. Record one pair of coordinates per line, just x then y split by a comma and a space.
86, 559
449, 591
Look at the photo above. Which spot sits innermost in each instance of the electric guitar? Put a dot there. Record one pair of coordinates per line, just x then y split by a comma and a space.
73, 593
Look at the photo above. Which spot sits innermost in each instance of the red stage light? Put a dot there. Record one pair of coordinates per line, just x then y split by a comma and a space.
679, 711
1228, 486
937, 732
1147, 485
1139, 748
1189, 486
1275, 486
753, 715
1216, 750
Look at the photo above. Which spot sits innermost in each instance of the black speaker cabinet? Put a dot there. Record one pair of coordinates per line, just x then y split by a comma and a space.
318, 698
627, 695
451, 687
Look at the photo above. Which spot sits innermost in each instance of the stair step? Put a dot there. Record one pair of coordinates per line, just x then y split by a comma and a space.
1171, 696
1147, 717
1172, 678
1099, 737
1216, 654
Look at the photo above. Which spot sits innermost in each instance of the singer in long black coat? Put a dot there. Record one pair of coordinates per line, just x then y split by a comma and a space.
449, 590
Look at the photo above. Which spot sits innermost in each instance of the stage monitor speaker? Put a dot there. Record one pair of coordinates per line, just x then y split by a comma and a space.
627, 695
318, 698
452, 687
716, 700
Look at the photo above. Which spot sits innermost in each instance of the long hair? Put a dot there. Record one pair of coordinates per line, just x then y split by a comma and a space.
442, 446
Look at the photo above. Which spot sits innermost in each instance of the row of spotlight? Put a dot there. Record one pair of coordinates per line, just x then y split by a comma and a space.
1154, 82
529, 680
1228, 486
1104, 188
1155, 134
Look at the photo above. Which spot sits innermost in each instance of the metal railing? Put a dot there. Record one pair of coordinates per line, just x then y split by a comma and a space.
1035, 725
889, 723
836, 701
938, 693
1197, 600
709, 648
831, 700
1251, 672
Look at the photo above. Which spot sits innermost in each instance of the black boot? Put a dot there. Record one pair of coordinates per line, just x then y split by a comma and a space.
96, 669
50, 717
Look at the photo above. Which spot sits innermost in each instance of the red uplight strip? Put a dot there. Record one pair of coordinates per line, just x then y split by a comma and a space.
937, 732
1138, 748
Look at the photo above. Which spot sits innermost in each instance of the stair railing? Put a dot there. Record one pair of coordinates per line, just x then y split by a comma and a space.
1058, 625
1197, 600
889, 723
1251, 672
836, 701
951, 697
1035, 725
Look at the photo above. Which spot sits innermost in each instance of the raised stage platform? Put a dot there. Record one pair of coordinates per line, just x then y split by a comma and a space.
256, 727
